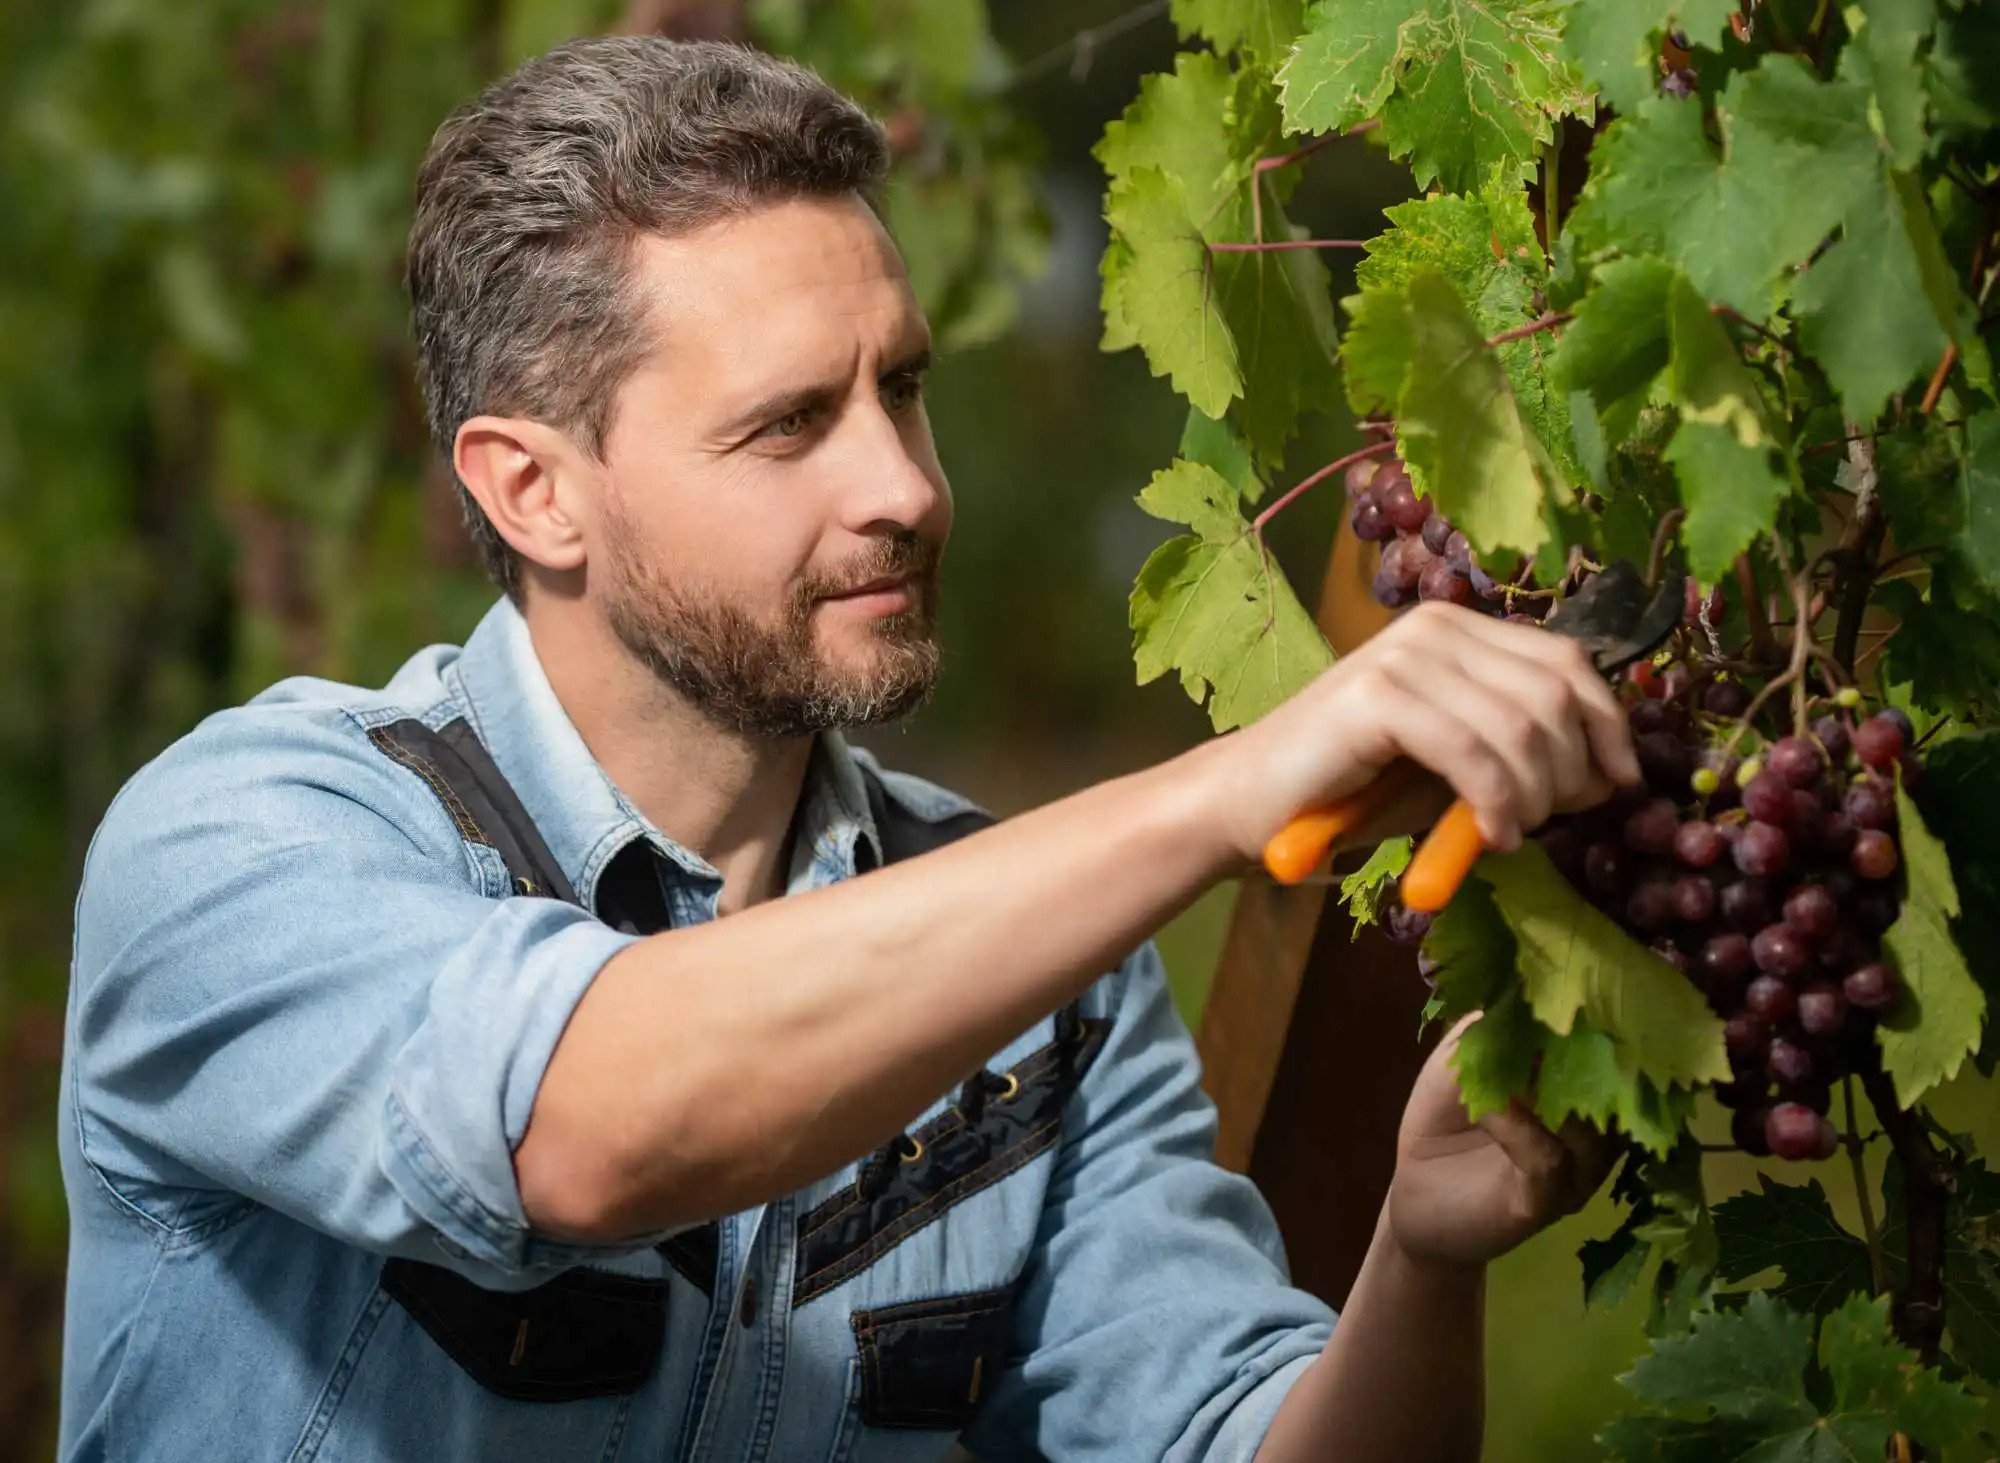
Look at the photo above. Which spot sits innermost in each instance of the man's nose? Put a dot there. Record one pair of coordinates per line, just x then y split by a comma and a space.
886, 485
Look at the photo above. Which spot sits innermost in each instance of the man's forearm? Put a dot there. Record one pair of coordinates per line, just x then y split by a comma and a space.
1404, 1375
713, 1068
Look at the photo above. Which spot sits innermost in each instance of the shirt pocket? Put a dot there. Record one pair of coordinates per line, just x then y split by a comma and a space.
926, 1364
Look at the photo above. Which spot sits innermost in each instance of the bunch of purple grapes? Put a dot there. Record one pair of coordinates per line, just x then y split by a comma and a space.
1423, 556
1767, 881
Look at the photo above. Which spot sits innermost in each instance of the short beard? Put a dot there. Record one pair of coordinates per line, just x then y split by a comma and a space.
754, 679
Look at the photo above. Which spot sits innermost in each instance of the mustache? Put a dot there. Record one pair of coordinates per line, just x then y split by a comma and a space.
897, 556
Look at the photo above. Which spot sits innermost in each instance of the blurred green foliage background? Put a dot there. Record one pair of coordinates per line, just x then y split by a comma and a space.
214, 471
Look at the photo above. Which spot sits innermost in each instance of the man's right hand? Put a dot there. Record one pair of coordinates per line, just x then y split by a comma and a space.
1513, 719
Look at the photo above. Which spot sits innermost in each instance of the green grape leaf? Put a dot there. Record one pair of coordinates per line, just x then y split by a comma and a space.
1877, 308
1791, 1227
1674, 1221
1616, 43
1975, 545
1280, 316
1215, 445
1945, 650
1797, 153
1375, 355
1575, 962
1466, 91
1495, 1057
1612, 1266
1119, 331
1200, 125
1585, 1073
1212, 607
1723, 450
1735, 1388
1618, 343
1365, 890
1165, 297
1938, 1020
1881, 55
1961, 787
1265, 28
1473, 950
1462, 431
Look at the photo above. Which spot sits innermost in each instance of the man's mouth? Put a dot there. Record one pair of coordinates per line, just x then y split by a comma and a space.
886, 594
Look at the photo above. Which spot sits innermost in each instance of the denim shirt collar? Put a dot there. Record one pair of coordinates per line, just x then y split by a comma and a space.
584, 818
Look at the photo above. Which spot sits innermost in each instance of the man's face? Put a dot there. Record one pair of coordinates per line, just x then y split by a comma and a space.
774, 515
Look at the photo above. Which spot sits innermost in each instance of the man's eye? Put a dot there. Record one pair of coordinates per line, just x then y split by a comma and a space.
792, 426
903, 392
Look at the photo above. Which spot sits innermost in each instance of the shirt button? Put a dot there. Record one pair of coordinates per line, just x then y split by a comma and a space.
747, 1312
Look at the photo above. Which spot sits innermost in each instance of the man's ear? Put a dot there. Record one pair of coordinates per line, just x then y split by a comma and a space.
525, 475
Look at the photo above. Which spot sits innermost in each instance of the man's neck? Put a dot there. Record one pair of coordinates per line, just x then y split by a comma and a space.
729, 797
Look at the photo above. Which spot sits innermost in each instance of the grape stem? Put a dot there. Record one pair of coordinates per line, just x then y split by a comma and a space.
1878, 1267
1549, 321
1373, 449
1279, 244
1265, 165
1763, 646
1669, 521
1859, 547
1081, 49
1928, 1179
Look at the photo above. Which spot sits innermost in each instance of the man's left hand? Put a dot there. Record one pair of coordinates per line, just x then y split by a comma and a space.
1467, 1192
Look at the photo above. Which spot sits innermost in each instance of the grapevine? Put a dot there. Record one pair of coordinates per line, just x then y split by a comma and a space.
1748, 350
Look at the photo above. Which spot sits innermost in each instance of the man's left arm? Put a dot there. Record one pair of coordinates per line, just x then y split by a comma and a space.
1157, 1319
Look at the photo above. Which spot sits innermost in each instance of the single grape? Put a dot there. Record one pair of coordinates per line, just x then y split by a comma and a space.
1728, 699
1900, 719
1440, 581
1404, 508
1371, 524
1794, 1131
1781, 950
1805, 819
1694, 899
1698, 843
1770, 1000
1653, 828
1789, 1064
1458, 551
1767, 797
1606, 867
1404, 925
1878, 742
1746, 904
1666, 760
1829, 1136
1483, 584
1871, 988
1747, 1129
1437, 533
1764, 849
1388, 473
1796, 760
1404, 560
1847, 696
1744, 1035
1836, 834
1812, 911
1704, 781
1869, 804
1724, 766
1831, 733
1675, 682
1651, 905
1645, 676
1359, 476
1822, 1010
1647, 715
1748, 771
1726, 958
1874, 854
1390, 594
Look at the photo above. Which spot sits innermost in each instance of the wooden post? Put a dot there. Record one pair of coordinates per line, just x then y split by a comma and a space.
1309, 1040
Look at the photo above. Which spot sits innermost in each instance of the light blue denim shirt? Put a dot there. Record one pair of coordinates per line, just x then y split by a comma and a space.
307, 1020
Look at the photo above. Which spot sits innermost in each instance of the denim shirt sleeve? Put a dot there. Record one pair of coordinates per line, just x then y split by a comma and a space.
1156, 1319
289, 988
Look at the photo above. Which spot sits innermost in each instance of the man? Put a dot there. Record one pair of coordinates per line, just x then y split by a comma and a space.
507, 1064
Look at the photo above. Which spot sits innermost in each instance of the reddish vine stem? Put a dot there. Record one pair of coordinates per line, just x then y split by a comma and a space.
1859, 548
1275, 245
1669, 521
1550, 321
1763, 646
1374, 449
1265, 165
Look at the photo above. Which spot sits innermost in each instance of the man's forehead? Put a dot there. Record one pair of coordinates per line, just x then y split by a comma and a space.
808, 279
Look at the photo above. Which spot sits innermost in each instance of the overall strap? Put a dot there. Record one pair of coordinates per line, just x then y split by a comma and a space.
458, 768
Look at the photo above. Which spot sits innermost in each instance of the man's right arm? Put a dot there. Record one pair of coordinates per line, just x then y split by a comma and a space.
712, 1068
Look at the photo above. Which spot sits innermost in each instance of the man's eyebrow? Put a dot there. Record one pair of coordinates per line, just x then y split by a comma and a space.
792, 400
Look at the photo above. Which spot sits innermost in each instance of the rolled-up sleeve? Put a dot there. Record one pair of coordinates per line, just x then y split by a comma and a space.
289, 990
1156, 1319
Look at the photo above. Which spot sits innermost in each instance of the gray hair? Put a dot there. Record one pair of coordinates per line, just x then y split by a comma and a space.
532, 197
